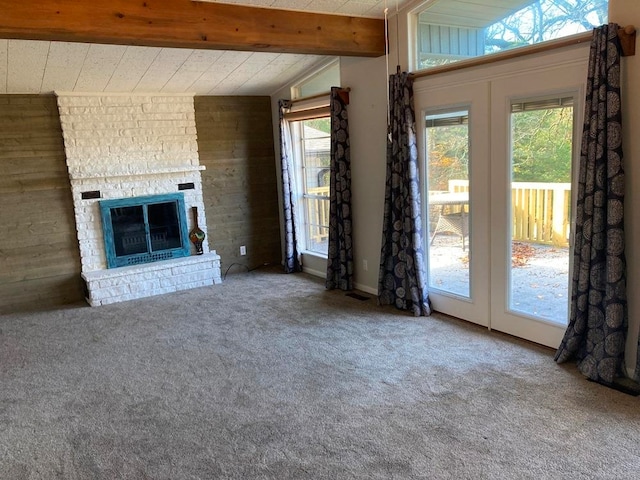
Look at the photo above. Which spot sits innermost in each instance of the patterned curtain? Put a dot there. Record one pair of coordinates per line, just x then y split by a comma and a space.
292, 261
340, 251
597, 327
401, 281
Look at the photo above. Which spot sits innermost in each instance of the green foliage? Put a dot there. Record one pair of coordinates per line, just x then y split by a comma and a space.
448, 150
541, 148
541, 145
322, 124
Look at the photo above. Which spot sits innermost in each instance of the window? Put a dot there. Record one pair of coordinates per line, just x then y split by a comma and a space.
312, 154
542, 133
310, 123
447, 162
453, 30
319, 82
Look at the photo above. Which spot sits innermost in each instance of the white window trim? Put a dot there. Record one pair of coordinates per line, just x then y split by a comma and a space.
300, 185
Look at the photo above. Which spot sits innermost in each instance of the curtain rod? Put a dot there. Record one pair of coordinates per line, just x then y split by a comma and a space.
627, 36
318, 95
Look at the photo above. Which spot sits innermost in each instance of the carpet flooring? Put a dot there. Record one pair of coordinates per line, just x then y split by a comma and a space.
269, 376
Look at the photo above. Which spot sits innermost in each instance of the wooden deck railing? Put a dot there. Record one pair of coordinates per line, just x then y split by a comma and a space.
318, 214
541, 211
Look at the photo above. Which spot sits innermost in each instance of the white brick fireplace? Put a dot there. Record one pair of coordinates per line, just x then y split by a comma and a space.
122, 146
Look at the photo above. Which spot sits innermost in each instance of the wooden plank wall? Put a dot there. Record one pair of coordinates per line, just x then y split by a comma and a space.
39, 256
235, 142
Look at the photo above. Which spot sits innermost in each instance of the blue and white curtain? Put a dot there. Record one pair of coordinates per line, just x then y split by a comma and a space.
292, 261
401, 281
597, 330
340, 249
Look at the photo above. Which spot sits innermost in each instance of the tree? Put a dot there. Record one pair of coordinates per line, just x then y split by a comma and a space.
448, 155
544, 20
542, 145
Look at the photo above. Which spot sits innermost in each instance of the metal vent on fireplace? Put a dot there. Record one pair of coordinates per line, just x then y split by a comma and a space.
153, 257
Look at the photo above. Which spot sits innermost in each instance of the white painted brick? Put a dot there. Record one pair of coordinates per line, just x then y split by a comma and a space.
104, 134
181, 158
163, 124
85, 234
186, 269
143, 287
116, 142
80, 111
106, 283
172, 99
149, 276
167, 116
116, 291
98, 296
116, 100
154, 132
126, 111
173, 107
133, 147
176, 147
89, 142
99, 123
169, 282
177, 138
85, 251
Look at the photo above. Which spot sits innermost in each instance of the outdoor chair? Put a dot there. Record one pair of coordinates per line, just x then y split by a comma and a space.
452, 222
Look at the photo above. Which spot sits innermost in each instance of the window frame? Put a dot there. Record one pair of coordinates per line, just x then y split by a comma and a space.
412, 44
296, 124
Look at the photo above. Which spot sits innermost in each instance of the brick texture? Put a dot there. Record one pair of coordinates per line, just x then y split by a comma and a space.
127, 146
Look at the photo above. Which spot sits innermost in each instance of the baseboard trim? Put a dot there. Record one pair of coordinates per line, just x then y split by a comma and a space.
315, 273
366, 288
357, 286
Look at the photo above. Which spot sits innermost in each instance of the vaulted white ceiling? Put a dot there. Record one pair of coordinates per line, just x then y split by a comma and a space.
30, 66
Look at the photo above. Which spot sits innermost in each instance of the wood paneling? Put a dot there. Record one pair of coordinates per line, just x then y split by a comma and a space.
39, 257
235, 142
188, 24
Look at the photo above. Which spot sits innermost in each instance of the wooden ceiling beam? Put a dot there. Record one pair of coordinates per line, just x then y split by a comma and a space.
191, 24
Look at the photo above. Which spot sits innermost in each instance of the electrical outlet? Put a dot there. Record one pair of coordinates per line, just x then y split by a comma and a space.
243, 250
365, 265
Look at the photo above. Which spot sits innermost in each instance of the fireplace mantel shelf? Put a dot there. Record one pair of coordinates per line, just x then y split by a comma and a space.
83, 175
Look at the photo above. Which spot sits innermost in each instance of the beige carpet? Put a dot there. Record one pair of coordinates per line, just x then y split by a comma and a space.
268, 376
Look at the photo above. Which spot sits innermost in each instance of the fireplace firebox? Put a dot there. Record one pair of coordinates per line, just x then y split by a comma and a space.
144, 229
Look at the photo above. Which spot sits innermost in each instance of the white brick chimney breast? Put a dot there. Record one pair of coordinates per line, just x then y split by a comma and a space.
130, 145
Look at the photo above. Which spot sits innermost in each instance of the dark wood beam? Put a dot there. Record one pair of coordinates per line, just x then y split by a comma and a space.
189, 24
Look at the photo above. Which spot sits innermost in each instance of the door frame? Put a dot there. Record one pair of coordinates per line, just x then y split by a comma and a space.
561, 80
499, 83
474, 98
